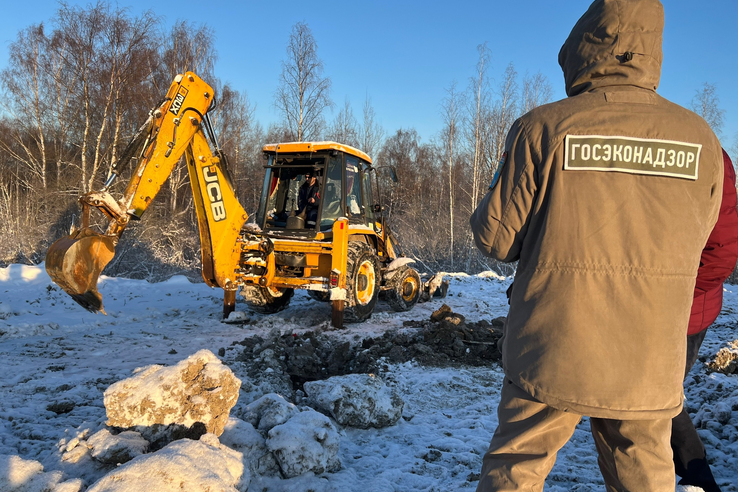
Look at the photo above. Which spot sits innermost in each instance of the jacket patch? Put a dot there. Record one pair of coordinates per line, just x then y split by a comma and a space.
500, 165
632, 155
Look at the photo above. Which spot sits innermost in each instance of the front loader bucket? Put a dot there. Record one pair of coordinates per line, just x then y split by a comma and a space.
75, 262
434, 287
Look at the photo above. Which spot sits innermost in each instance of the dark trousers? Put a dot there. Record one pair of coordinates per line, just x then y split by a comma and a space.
690, 460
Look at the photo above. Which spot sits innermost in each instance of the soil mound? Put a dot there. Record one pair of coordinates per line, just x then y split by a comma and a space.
446, 339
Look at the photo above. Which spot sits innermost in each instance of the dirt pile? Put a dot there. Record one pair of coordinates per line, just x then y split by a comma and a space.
446, 339
726, 360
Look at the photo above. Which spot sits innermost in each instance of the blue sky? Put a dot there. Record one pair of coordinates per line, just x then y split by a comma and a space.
404, 54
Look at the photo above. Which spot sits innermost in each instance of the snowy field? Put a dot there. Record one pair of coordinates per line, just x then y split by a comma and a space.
54, 354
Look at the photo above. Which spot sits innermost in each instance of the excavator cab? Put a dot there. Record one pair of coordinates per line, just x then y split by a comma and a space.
294, 195
342, 181
343, 253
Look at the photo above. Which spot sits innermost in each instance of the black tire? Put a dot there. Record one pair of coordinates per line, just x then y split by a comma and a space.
362, 282
404, 289
265, 300
319, 296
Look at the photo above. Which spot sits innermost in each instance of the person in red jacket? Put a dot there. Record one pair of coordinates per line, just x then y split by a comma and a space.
716, 264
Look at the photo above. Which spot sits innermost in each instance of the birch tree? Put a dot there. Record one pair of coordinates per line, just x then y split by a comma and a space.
479, 100
23, 82
449, 136
303, 93
475, 130
371, 133
504, 112
344, 128
238, 136
537, 90
186, 48
707, 104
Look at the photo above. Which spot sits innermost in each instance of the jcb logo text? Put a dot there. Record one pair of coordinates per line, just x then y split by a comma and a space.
212, 187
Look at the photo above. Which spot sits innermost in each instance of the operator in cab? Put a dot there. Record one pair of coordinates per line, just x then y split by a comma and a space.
308, 198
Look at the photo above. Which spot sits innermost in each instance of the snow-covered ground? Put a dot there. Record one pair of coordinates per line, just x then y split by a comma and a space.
53, 354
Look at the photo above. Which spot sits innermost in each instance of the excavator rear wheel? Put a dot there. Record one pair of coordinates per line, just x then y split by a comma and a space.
362, 282
267, 300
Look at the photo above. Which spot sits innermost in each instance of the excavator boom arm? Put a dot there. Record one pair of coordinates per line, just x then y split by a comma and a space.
174, 128
176, 122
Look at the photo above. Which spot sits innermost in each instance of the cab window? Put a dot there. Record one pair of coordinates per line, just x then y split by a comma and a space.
353, 187
367, 194
332, 207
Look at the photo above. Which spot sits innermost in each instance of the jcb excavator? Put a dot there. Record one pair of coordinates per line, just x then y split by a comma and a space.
317, 227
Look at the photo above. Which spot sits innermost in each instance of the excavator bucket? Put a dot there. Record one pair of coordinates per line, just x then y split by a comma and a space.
75, 262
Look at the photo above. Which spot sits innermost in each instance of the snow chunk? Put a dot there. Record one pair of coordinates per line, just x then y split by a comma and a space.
177, 280
307, 442
194, 466
356, 400
491, 274
242, 437
269, 410
19, 475
5, 311
18, 471
23, 274
197, 389
237, 317
337, 294
121, 448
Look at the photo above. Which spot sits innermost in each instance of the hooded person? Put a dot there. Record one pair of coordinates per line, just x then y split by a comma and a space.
605, 199
308, 200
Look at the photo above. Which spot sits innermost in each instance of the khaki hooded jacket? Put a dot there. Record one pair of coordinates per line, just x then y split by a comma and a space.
606, 199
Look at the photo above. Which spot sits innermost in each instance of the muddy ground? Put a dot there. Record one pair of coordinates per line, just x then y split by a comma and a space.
446, 339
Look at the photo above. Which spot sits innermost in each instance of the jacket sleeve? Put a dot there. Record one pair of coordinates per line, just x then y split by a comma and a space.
721, 251
499, 222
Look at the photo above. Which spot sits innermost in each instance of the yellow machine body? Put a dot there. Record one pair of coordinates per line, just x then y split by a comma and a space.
347, 256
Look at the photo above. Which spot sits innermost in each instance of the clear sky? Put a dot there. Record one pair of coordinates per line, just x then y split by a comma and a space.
404, 54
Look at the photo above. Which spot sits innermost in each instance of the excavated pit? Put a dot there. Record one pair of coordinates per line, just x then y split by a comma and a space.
446, 339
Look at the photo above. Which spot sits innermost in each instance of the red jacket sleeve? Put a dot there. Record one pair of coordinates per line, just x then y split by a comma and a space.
718, 258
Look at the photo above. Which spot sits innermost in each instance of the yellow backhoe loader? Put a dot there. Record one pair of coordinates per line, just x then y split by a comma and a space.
317, 227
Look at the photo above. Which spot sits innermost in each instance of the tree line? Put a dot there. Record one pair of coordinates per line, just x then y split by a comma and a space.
75, 92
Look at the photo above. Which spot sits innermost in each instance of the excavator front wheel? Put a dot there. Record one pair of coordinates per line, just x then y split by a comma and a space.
404, 289
362, 282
